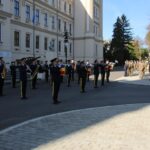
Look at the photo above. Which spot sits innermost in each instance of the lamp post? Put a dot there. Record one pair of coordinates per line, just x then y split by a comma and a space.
66, 43
66, 53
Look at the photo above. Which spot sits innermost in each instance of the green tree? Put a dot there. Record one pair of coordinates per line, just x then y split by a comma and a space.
144, 53
121, 40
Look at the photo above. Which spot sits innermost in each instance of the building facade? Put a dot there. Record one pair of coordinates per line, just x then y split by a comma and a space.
36, 28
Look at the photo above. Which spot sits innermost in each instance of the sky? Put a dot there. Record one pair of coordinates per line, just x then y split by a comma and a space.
136, 11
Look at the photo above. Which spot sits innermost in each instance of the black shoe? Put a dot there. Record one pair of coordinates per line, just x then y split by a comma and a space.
57, 102
24, 98
95, 86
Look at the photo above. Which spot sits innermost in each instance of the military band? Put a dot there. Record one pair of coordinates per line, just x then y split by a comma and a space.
58, 70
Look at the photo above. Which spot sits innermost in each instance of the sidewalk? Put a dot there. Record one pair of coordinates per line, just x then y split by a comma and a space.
122, 127
135, 80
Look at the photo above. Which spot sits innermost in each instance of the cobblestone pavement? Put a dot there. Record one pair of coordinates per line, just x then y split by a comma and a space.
122, 127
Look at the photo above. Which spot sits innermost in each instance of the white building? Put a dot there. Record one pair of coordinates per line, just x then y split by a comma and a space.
43, 22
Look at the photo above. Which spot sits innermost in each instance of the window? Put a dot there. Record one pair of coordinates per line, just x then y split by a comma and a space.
70, 9
0, 32
53, 22
53, 2
45, 19
65, 26
16, 8
96, 50
45, 43
59, 46
37, 15
65, 7
27, 40
37, 42
70, 48
16, 38
70, 29
27, 12
60, 4
53, 44
59, 24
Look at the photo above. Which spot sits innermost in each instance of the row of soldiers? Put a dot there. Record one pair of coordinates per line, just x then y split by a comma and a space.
140, 67
57, 71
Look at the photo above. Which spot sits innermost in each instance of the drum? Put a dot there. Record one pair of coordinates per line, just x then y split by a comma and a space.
62, 71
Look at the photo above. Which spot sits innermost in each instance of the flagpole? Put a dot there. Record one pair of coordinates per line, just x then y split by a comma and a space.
33, 28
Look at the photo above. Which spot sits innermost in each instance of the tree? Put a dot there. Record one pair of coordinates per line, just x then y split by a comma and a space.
121, 40
144, 53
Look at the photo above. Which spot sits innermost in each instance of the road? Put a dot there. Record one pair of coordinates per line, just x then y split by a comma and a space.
39, 103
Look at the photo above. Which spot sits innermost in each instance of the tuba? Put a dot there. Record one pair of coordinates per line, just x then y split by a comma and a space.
3, 74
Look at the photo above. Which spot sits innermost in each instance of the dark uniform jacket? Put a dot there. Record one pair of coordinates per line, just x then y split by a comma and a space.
23, 72
55, 73
13, 70
69, 69
96, 69
1, 70
83, 72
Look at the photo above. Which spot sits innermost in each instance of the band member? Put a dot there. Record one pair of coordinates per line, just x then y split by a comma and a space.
89, 70
13, 68
96, 73
83, 75
73, 70
56, 80
23, 78
2, 75
78, 71
102, 66
34, 68
46, 69
69, 70
62, 69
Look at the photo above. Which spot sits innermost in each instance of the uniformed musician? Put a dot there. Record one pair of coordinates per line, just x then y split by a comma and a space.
96, 73
23, 78
13, 68
69, 70
2, 75
56, 80
46, 69
34, 68
83, 76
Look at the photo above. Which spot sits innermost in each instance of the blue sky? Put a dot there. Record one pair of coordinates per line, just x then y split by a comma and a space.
137, 12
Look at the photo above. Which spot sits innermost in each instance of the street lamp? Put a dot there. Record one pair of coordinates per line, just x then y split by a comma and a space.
66, 44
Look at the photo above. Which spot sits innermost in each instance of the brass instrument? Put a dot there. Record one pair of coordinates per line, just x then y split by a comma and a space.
3, 74
35, 72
